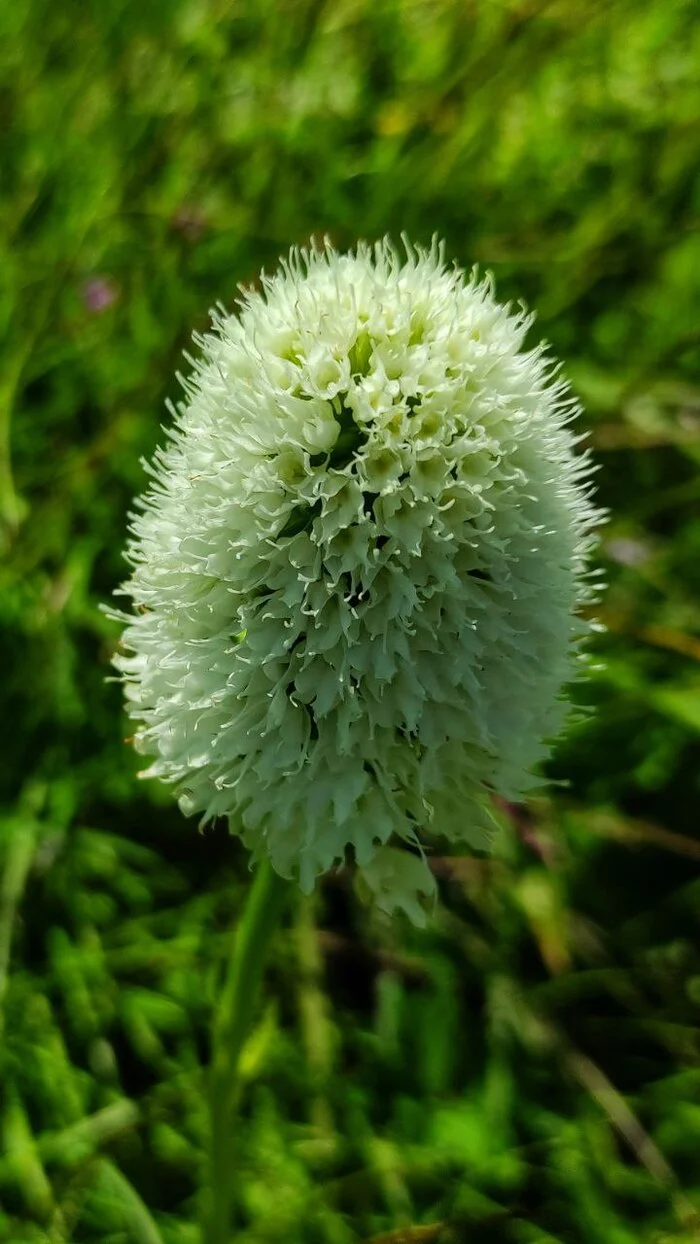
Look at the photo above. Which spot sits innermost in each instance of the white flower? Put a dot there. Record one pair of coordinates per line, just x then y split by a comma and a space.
356, 572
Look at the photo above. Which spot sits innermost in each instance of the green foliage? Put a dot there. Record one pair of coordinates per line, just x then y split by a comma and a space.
528, 1069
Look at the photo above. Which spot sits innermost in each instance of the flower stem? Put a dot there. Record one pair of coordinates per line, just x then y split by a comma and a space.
232, 1022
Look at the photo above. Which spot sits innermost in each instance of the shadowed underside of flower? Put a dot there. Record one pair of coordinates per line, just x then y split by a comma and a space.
356, 574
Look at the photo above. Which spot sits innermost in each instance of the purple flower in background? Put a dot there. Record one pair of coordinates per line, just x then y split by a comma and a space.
98, 293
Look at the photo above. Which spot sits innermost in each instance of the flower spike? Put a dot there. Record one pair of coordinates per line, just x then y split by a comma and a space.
357, 571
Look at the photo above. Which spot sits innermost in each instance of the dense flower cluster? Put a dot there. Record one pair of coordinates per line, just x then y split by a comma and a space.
356, 573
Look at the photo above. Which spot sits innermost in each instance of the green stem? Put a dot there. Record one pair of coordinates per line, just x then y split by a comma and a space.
20, 850
232, 1023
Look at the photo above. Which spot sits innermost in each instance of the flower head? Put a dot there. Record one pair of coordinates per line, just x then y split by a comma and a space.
357, 569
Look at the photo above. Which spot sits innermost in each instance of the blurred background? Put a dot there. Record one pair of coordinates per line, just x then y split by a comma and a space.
528, 1068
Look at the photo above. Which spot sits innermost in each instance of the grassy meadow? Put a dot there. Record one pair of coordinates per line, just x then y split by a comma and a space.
527, 1069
